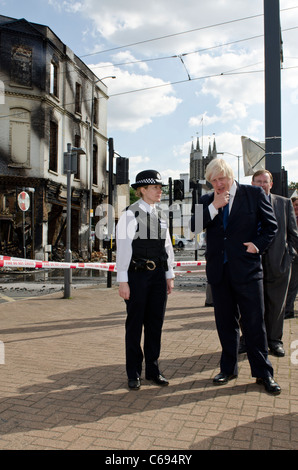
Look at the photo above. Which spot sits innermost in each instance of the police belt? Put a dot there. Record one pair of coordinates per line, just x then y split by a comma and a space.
142, 264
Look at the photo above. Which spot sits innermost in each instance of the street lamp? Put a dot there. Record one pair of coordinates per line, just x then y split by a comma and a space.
32, 191
70, 167
238, 156
91, 160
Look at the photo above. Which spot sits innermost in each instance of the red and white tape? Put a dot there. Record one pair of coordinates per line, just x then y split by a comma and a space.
7, 261
190, 263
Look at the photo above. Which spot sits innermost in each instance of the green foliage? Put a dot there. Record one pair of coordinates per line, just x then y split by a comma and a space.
132, 196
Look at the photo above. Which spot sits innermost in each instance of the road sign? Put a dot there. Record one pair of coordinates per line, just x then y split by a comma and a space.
24, 201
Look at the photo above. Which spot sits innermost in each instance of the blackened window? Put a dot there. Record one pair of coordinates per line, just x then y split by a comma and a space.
21, 65
78, 98
95, 165
53, 147
95, 111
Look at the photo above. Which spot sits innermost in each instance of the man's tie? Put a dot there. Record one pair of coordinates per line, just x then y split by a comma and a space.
225, 215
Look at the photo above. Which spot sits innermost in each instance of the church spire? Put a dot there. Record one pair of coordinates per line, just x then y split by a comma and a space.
209, 150
214, 150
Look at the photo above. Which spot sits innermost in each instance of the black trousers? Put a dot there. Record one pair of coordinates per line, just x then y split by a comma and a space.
293, 287
275, 296
145, 311
227, 297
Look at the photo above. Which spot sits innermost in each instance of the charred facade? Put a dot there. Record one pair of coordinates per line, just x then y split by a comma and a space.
47, 103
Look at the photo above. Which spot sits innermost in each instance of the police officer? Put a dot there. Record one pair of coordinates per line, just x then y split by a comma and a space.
145, 274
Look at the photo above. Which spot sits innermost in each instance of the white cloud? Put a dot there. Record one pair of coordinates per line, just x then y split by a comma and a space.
66, 5
122, 23
230, 97
126, 57
289, 160
182, 150
136, 161
131, 111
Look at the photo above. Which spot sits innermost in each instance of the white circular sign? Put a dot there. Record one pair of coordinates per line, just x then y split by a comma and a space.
24, 201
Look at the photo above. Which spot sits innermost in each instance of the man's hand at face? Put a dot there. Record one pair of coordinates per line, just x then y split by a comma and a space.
221, 199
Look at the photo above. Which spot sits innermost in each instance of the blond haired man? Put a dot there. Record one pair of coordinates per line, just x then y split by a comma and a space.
231, 216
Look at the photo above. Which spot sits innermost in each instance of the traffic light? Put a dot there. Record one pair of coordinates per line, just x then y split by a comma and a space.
122, 167
178, 190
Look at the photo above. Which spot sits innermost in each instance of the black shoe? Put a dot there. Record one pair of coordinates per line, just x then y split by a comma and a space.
270, 385
158, 379
221, 378
278, 351
134, 384
208, 304
289, 315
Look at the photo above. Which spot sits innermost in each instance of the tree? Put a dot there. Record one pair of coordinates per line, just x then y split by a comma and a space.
132, 196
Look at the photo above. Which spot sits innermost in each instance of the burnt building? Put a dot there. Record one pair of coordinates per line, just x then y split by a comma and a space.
47, 97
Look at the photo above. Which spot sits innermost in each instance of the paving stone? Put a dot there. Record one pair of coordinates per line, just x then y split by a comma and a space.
63, 384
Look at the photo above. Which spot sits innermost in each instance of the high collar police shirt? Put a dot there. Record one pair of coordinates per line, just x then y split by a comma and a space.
125, 233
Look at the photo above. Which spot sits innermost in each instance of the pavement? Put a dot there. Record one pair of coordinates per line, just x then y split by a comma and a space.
63, 384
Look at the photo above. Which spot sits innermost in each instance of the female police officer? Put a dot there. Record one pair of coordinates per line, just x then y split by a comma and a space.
145, 274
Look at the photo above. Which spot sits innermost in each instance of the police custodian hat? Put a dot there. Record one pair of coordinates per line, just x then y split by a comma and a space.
147, 177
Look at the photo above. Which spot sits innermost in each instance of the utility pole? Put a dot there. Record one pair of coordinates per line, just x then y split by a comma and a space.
70, 166
273, 55
67, 272
110, 205
171, 209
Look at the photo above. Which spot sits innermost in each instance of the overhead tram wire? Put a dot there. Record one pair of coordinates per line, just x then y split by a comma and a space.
160, 86
172, 35
215, 25
179, 56
181, 33
154, 87
221, 74
175, 56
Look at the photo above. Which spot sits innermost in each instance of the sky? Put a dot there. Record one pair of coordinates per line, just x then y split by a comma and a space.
185, 69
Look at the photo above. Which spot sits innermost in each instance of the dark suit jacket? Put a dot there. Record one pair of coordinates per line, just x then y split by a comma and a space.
281, 252
250, 210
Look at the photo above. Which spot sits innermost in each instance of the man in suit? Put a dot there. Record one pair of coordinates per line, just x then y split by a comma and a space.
277, 261
293, 286
234, 269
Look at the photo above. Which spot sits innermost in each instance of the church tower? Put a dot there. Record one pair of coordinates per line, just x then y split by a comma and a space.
198, 162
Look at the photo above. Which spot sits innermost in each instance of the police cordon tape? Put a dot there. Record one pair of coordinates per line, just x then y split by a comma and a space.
10, 262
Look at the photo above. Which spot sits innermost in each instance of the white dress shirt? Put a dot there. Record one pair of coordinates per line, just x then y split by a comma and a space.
125, 232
